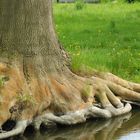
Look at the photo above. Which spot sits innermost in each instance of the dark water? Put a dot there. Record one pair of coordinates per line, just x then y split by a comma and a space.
126, 127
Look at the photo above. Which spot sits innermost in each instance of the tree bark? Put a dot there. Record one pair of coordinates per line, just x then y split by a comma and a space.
36, 84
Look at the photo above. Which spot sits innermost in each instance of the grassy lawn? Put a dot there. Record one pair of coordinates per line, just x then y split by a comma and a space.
105, 37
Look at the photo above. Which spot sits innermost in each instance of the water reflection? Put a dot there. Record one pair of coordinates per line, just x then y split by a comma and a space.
119, 128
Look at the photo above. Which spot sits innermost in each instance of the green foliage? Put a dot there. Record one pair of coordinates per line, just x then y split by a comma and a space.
1, 82
79, 4
87, 91
3, 79
105, 37
112, 26
26, 98
106, 1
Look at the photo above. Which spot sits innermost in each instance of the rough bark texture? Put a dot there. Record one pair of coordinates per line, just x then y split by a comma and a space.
36, 86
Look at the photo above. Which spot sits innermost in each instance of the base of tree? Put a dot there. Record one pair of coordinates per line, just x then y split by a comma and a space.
63, 98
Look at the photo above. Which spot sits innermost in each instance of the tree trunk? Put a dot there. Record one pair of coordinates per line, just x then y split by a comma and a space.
36, 86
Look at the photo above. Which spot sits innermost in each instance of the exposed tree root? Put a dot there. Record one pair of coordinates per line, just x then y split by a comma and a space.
65, 99
19, 128
81, 115
126, 84
68, 119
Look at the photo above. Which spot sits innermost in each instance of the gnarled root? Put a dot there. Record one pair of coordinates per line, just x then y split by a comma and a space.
114, 90
67, 99
68, 119
19, 128
81, 115
119, 81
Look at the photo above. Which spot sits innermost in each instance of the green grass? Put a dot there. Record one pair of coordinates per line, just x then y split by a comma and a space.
105, 37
